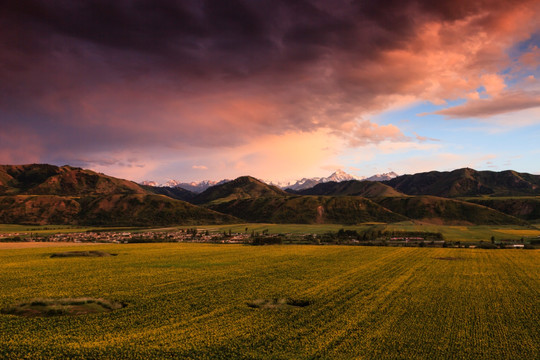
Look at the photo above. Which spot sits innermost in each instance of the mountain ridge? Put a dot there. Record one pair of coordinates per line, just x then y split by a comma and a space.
304, 183
467, 182
47, 194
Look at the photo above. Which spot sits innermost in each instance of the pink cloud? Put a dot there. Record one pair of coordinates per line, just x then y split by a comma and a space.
215, 78
483, 108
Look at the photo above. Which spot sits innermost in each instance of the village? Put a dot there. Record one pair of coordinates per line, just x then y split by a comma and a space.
254, 238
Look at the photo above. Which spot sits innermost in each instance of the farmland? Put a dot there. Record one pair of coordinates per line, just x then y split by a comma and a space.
191, 301
450, 233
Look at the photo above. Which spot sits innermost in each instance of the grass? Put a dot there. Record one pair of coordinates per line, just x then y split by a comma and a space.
190, 301
55, 229
280, 228
470, 233
451, 233
473, 233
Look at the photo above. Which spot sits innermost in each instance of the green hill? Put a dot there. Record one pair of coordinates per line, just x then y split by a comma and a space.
38, 209
177, 193
47, 194
113, 210
307, 210
526, 208
43, 179
438, 210
146, 210
368, 189
245, 187
467, 182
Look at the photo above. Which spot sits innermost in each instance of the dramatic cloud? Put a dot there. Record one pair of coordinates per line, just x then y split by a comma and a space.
482, 108
95, 80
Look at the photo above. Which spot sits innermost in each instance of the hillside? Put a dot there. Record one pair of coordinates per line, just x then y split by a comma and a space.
38, 209
368, 189
438, 210
43, 179
146, 210
526, 208
47, 194
177, 193
307, 210
467, 182
245, 187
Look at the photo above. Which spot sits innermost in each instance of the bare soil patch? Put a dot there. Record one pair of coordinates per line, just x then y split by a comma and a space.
281, 303
59, 307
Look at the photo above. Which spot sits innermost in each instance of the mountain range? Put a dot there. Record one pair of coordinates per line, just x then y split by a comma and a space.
47, 194
304, 183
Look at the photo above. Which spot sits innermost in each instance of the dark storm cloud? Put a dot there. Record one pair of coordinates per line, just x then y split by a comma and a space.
100, 75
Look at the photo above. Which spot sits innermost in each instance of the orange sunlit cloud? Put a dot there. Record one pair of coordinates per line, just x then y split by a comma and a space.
221, 80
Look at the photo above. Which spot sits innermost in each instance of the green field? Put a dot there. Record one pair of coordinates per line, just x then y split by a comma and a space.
55, 229
451, 233
465, 233
191, 301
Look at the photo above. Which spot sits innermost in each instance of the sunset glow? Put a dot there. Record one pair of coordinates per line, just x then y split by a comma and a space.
279, 90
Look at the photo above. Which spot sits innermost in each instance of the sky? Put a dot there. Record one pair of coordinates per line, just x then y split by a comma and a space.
277, 89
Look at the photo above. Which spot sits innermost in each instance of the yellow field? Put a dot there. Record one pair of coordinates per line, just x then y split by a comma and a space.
190, 301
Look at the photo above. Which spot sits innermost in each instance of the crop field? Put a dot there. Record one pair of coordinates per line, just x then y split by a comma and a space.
204, 301
54, 229
450, 233
283, 228
472, 232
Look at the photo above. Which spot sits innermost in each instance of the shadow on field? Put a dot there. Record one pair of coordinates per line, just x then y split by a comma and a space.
82, 254
281, 303
58, 307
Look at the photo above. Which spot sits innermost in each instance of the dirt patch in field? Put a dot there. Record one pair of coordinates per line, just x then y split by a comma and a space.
448, 258
82, 254
63, 307
278, 303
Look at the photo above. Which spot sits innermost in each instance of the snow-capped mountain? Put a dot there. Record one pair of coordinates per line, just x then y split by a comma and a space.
305, 183
194, 186
200, 186
341, 175
149, 183
337, 176
382, 177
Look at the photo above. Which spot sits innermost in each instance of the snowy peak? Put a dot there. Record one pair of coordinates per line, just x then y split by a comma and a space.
199, 187
171, 183
382, 177
149, 183
339, 176
305, 183
194, 186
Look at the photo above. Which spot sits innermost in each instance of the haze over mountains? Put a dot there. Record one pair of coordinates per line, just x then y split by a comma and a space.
47, 194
